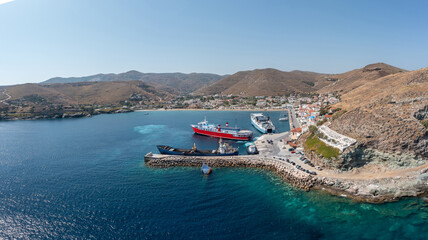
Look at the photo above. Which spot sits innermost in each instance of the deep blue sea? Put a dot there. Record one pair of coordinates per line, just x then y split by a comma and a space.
86, 179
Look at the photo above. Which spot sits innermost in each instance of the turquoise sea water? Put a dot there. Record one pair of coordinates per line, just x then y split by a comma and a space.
86, 179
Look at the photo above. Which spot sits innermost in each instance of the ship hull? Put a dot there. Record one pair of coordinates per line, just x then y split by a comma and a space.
220, 135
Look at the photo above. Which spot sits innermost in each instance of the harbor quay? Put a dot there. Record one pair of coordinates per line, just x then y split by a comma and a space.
287, 172
357, 190
274, 155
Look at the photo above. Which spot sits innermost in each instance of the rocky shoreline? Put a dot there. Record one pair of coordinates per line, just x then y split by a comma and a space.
55, 115
35, 116
370, 190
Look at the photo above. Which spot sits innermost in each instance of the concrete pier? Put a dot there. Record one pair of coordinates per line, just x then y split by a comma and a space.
273, 153
287, 171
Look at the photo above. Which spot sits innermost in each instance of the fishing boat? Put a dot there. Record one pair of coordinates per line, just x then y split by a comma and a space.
225, 132
262, 123
206, 169
223, 150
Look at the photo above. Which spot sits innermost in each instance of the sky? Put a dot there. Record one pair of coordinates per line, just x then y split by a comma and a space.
41, 39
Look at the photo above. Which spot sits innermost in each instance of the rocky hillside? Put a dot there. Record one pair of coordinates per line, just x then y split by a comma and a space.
348, 81
183, 83
83, 92
388, 113
265, 82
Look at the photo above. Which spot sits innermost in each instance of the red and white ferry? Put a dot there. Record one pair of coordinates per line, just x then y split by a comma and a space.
218, 131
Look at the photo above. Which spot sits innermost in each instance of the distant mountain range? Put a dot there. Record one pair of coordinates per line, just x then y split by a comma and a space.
88, 92
270, 81
263, 82
181, 82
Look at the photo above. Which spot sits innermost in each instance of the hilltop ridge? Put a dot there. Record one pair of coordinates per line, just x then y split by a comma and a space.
264, 82
347, 81
181, 82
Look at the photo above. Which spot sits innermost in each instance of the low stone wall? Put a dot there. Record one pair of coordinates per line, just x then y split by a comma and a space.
287, 172
369, 190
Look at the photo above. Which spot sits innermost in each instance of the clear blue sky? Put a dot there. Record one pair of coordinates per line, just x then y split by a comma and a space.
40, 39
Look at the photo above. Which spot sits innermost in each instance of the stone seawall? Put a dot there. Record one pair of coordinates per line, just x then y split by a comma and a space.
363, 190
285, 171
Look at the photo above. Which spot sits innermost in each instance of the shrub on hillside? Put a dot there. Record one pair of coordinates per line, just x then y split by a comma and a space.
313, 129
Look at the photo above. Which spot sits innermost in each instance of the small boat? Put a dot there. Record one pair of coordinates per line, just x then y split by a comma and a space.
217, 131
223, 150
262, 123
206, 169
251, 148
283, 117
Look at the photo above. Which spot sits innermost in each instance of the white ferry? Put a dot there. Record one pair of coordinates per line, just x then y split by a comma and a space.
262, 123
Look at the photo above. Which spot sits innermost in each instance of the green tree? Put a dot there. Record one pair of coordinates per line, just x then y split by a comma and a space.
313, 129
425, 123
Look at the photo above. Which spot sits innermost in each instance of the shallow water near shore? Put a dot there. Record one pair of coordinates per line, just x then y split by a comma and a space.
86, 178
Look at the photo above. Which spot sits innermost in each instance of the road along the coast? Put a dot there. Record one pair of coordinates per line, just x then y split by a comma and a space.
4, 92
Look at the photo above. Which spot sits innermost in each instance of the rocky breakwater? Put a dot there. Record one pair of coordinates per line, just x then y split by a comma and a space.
373, 189
286, 171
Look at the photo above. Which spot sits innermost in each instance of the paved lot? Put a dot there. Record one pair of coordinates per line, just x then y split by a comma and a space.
279, 149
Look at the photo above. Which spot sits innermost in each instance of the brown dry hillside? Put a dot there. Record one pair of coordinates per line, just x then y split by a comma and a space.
348, 81
20, 92
184, 83
264, 82
87, 92
388, 113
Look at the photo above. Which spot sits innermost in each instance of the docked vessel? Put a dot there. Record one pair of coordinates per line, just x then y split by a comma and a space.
206, 169
251, 148
262, 123
217, 131
223, 150
283, 117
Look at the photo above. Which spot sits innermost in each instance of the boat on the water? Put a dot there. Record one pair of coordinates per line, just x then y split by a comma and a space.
251, 148
206, 169
223, 150
217, 131
262, 123
283, 117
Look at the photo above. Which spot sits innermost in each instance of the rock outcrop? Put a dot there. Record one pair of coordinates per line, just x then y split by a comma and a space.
386, 114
